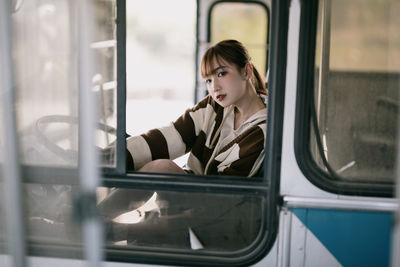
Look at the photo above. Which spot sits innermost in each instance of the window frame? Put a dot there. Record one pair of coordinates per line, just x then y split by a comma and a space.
268, 26
304, 102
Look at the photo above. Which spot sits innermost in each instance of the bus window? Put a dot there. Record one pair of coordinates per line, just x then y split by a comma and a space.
354, 114
46, 80
160, 62
160, 54
247, 22
183, 220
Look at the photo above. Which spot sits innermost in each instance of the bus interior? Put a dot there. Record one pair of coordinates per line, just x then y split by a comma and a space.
79, 77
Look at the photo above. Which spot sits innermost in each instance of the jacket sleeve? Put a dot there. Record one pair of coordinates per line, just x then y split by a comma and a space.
161, 143
167, 142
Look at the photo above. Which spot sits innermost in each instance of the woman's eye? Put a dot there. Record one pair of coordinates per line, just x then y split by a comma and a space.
222, 73
208, 81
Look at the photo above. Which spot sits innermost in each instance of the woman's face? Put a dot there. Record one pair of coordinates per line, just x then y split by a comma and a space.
226, 84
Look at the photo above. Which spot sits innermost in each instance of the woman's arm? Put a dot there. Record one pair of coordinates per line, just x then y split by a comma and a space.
168, 142
162, 143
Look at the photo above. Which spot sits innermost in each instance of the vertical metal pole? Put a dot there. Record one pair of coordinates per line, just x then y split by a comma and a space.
121, 86
88, 161
11, 171
324, 64
284, 241
325, 49
72, 73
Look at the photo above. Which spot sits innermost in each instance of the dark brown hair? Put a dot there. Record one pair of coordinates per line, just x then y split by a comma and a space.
234, 52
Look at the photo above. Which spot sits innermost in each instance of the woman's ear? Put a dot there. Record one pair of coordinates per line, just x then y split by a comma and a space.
248, 72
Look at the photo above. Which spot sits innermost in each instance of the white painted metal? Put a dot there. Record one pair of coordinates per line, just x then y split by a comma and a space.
299, 247
11, 171
297, 242
270, 259
88, 162
293, 181
315, 253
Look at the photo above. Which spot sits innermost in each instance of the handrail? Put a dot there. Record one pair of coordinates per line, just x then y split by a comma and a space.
388, 205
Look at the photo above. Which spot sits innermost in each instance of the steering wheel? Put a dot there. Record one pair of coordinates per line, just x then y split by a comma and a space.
51, 145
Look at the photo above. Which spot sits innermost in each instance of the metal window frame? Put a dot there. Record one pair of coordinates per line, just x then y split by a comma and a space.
268, 26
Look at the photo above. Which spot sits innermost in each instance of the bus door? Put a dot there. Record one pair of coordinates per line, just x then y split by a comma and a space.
58, 63
338, 173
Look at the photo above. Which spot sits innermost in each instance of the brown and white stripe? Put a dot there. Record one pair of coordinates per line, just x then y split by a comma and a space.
206, 131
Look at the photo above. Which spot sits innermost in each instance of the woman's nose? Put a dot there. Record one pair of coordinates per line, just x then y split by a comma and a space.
215, 86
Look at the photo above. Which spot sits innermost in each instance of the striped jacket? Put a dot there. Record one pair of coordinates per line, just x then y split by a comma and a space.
207, 132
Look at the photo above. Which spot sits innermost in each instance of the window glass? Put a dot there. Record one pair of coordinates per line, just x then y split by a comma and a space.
135, 218
50, 216
246, 22
185, 220
357, 82
160, 62
45, 57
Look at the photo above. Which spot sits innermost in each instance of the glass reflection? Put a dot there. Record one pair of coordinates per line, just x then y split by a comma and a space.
357, 78
50, 217
218, 222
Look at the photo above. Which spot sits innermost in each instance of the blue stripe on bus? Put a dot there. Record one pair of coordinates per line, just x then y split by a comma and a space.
354, 238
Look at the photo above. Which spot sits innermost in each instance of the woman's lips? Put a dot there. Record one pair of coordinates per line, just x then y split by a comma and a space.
220, 97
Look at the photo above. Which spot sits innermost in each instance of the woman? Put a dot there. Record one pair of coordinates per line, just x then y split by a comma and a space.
224, 133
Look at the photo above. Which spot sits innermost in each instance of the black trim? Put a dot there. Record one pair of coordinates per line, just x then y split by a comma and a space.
120, 21
196, 59
304, 109
277, 82
121, 86
209, 21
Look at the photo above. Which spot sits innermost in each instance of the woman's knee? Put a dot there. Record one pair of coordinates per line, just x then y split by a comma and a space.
162, 165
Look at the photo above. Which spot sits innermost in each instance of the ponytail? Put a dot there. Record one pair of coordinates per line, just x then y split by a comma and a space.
258, 82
